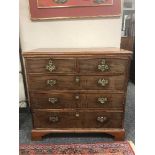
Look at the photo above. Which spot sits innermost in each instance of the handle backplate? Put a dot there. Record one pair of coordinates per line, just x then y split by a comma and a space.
103, 82
103, 66
51, 82
102, 100
53, 100
102, 119
53, 119
50, 66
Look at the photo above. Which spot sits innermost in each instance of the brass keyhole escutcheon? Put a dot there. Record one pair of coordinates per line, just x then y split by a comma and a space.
77, 79
77, 97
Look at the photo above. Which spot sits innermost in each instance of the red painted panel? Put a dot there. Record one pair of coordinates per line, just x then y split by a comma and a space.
74, 12
71, 3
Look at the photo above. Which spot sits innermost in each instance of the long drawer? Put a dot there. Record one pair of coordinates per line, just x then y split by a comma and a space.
52, 82
72, 65
94, 119
76, 100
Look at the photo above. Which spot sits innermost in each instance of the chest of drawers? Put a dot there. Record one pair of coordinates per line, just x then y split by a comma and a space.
77, 90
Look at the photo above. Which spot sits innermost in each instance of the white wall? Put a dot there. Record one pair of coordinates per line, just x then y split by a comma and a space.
67, 33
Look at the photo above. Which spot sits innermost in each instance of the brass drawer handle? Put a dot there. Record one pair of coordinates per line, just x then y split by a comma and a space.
53, 119
77, 115
102, 100
103, 66
51, 82
50, 66
103, 82
102, 119
53, 100
77, 79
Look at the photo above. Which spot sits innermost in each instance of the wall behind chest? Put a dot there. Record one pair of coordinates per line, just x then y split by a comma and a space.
103, 32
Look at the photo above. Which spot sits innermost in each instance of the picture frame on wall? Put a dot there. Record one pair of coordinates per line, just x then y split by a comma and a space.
62, 9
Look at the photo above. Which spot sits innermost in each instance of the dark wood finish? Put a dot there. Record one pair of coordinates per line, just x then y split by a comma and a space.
76, 100
128, 43
74, 93
74, 12
77, 119
64, 100
114, 100
114, 82
39, 82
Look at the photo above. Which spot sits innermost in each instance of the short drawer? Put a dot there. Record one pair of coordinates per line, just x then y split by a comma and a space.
56, 100
103, 100
47, 82
102, 65
95, 119
47, 65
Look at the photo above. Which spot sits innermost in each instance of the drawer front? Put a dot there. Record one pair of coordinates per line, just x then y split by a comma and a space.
50, 82
44, 119
98, 119
103, 100
56, 100
104, 82
46, 65
104, 65
45, 82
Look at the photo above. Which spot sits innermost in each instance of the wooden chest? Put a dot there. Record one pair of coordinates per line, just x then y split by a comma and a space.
77, 90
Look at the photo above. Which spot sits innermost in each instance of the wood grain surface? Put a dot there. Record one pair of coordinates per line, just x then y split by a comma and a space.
70, 97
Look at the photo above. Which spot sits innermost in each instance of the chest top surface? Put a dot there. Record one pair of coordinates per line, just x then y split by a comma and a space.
76, 51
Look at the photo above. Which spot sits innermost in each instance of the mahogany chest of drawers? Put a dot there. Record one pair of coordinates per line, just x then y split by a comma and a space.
77, 90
